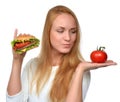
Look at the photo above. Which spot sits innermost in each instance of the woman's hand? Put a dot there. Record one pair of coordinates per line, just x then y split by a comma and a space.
75, 90
85, 66
14, 84
15, 55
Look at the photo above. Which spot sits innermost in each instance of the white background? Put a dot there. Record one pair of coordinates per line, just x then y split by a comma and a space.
100, 25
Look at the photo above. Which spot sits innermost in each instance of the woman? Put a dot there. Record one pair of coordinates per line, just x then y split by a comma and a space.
59, 73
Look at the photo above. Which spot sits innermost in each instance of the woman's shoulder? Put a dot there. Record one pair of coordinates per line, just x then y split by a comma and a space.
31, 65
32, 61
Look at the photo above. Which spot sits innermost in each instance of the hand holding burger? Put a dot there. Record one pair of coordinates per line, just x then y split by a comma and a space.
24, 42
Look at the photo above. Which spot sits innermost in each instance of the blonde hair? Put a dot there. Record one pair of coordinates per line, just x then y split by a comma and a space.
68, 64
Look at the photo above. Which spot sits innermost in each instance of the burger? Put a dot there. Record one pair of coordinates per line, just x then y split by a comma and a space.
24, 42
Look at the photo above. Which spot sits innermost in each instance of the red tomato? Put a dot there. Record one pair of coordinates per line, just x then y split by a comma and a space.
99, 55
20, 45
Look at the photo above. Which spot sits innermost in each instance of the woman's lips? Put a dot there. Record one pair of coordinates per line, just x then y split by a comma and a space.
67, 45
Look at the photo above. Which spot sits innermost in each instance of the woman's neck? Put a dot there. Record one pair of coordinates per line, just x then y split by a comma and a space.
56, 59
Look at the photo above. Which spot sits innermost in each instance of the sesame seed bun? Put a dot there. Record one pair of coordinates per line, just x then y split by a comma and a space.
23, 37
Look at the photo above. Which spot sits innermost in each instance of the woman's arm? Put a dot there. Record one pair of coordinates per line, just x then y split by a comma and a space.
75, 90
14, 84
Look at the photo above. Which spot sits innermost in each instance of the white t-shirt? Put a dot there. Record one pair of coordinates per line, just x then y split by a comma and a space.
25, 96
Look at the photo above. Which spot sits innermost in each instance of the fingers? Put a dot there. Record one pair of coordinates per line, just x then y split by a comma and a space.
111, 62
107, 63
91, 65
15, 33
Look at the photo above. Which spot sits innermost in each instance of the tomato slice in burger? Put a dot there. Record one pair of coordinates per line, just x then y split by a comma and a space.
20, 45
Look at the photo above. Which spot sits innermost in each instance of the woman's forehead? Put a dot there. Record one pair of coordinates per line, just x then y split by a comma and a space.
64, 19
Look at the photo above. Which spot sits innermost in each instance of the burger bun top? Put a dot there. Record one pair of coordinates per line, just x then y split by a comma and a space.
24, 37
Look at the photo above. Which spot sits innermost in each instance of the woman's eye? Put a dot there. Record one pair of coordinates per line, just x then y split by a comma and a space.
73, 31
60, 31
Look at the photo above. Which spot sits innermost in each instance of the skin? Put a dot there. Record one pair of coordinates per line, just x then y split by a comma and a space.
14, 84
62, 38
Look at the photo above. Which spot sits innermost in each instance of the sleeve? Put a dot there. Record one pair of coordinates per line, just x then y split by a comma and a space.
86, 83
15, 98
22, 96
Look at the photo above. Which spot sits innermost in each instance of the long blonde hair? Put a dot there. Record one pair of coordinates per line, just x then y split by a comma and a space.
68, 64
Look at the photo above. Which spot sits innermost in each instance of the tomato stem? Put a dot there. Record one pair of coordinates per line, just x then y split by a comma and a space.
101, 48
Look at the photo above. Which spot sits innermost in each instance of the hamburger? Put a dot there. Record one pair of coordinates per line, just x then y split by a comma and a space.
24, 42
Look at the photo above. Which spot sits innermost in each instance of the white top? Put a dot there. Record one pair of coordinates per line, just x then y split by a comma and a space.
25, 96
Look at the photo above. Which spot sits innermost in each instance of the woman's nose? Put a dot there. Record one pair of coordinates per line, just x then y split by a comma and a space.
67, 36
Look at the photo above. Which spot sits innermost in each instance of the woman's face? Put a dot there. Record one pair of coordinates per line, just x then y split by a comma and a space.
63, 33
